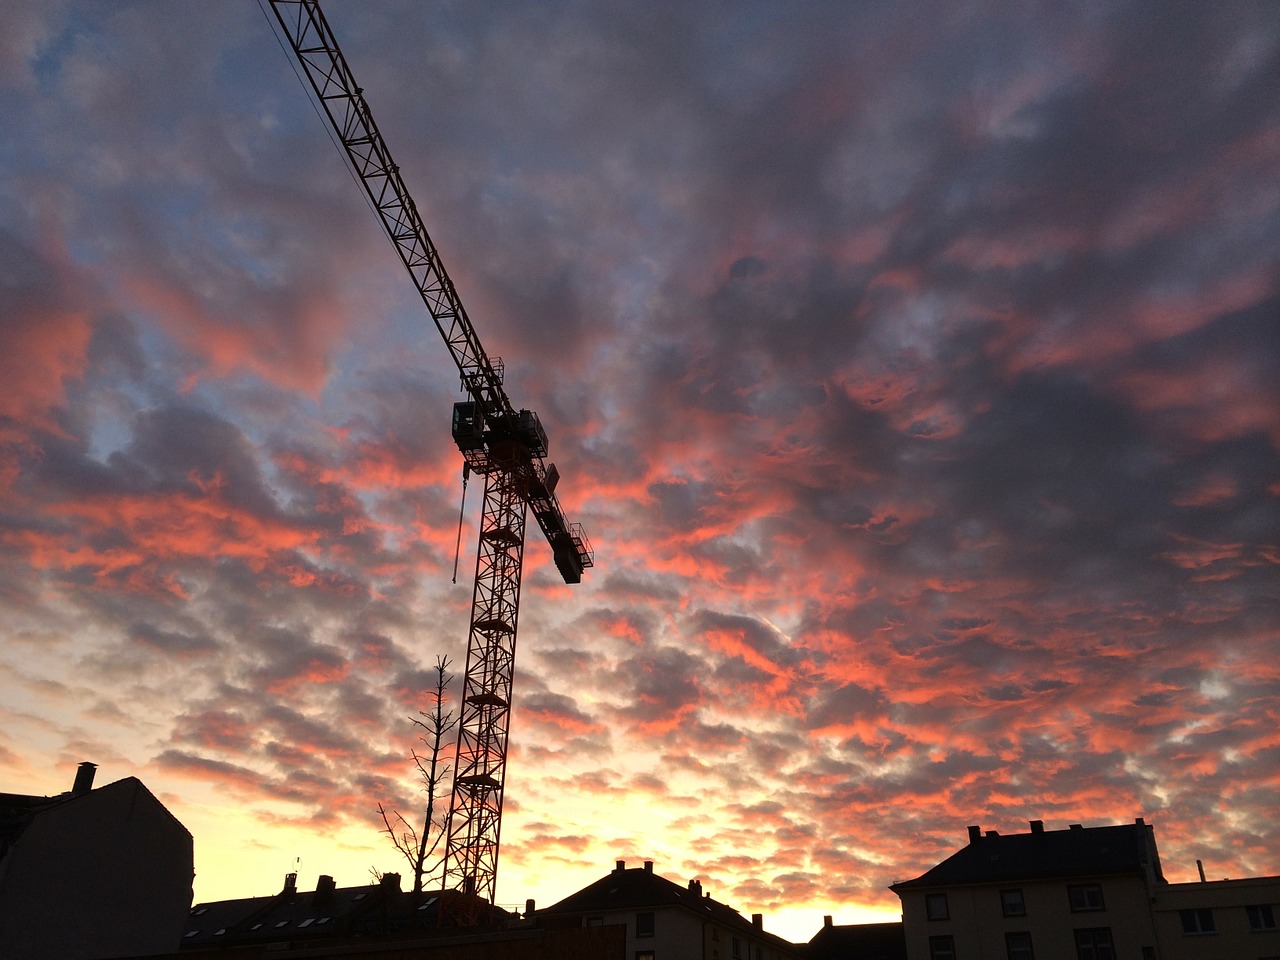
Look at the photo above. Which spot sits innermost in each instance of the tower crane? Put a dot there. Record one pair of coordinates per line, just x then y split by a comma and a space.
508, 447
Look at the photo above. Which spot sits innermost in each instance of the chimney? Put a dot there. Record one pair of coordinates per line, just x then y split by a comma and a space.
1037, 826
528, 908
1076, 826
993, 833
84, 779
975, 834
695, 887
648, 866
390, 881
290, 883
826, 921
325, 886
622, 865
757, 921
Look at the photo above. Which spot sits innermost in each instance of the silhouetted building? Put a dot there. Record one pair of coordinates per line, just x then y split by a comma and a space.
382, 921
1084, 893
665, 921
92, 873
328, 913
857, 941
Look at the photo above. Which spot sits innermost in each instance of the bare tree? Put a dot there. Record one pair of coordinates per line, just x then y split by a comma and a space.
418, 844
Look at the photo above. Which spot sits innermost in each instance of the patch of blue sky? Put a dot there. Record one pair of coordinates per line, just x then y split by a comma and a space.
50, 58
111, 430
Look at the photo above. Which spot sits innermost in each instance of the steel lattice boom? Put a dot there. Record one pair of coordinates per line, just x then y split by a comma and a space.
506, 445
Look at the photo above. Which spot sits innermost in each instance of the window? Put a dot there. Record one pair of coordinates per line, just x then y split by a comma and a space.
1094, 944
644, 924
737, 949
1199, 920
942, 948
645, 955
935, 906
1018, 945
1261, 917
593, 922
1011, 903
1085, 896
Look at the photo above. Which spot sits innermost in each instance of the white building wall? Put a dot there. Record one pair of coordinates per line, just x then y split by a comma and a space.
978, 925
1233, 938
681, 935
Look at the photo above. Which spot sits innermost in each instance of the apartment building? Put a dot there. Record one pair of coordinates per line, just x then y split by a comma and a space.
1218, 919
1083, 893
1074, 894
93, 872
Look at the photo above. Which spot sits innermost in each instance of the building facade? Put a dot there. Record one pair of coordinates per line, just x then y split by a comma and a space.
1084, 893
1219, 919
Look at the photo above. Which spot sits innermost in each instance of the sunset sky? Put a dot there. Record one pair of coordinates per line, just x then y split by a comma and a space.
914, 368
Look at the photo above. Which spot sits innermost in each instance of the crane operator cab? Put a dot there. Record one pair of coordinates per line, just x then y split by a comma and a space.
474, 433
468, 426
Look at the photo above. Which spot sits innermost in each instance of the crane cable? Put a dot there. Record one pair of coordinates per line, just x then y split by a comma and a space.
457, 547
353, 173
324, 121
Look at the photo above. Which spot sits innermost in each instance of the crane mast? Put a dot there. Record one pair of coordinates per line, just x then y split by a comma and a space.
505, 445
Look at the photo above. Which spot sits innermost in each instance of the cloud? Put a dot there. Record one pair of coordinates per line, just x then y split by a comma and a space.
913, 371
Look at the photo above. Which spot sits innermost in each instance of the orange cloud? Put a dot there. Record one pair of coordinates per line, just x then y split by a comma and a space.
39, 352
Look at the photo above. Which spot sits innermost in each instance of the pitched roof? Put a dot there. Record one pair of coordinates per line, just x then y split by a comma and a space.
18, 810
866, 941
328, 912
1075, 852
639, 888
